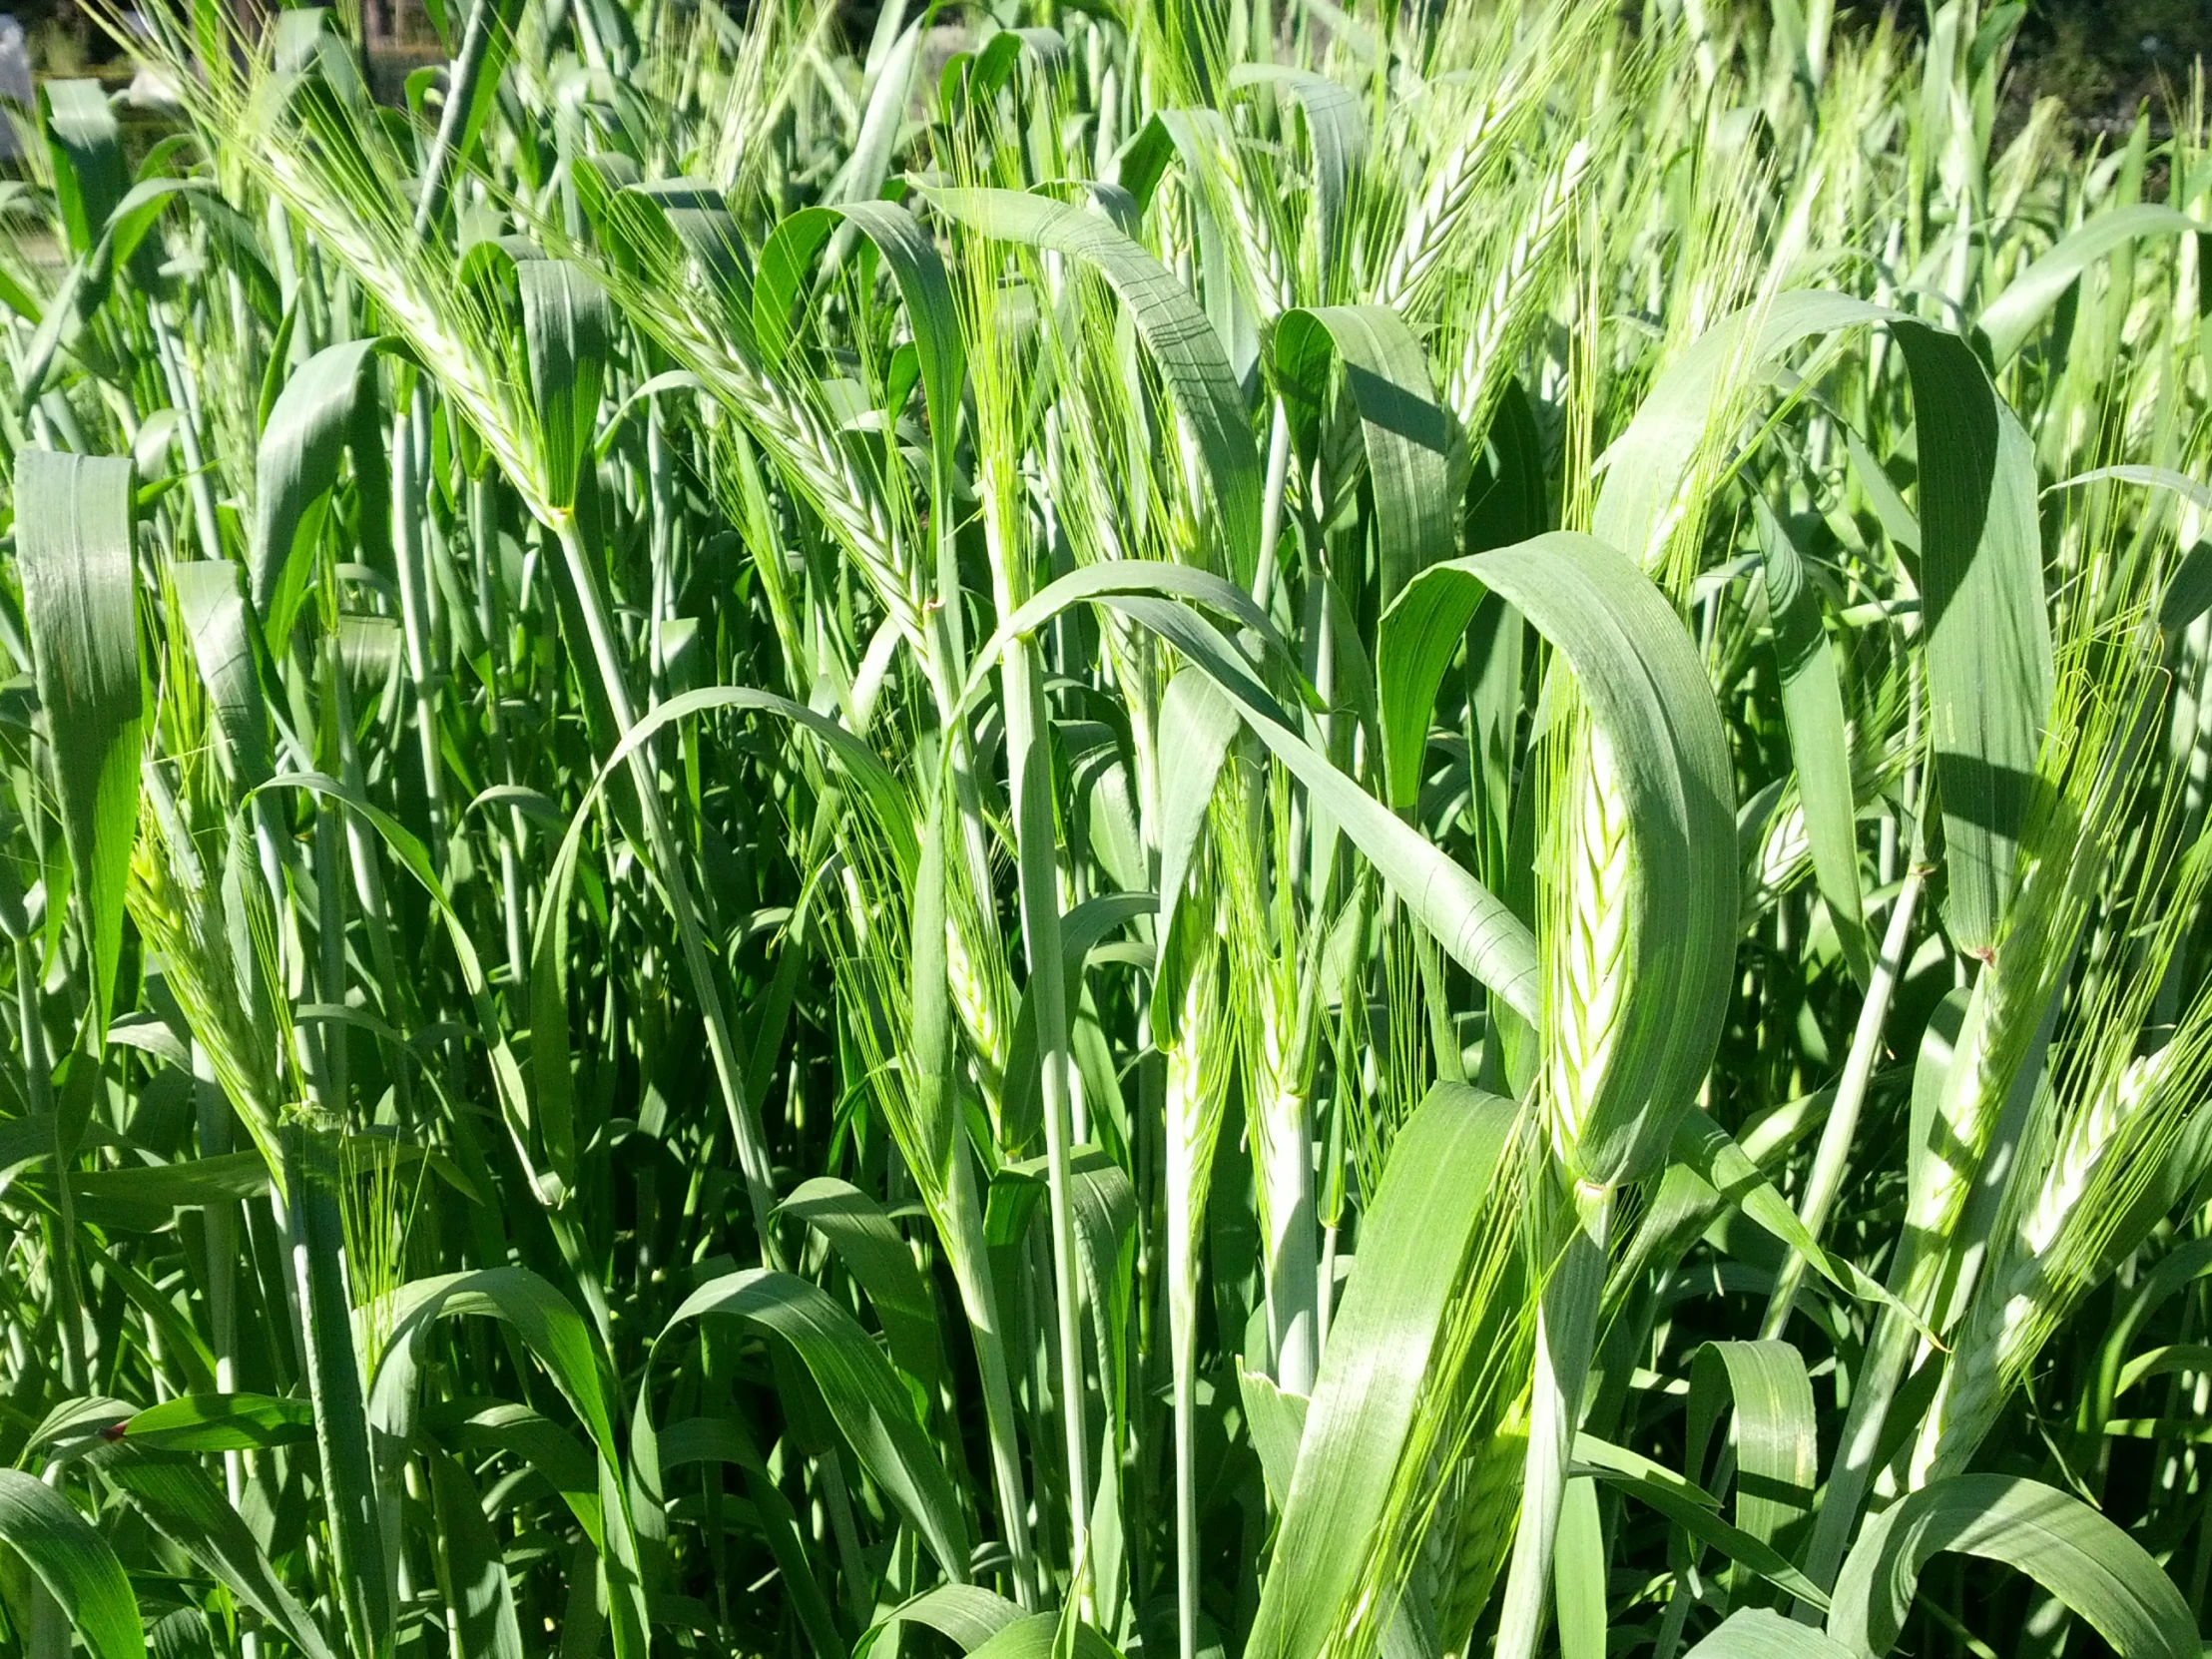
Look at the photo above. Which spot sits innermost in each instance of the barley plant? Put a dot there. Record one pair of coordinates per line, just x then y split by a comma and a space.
1154, 830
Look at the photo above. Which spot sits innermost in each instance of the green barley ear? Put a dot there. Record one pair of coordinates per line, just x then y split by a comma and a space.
215, 942
2114, 1142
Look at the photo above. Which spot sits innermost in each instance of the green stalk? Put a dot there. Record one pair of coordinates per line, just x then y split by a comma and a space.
1037, 867
220, 1227
1184, 1221
1566, 1339
1292, 1287
971, 1269
1833, 1158
722, 1045
483, 517
1937, 1259
409, 501
311, 1179
368, 873
61, 1255
188, 434
460, 93
1270, 504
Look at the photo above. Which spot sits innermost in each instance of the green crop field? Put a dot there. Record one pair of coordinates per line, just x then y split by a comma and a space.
1104, 830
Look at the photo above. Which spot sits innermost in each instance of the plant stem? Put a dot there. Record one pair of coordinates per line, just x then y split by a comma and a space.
460, 93
745, 1123
971, 1269
1567, 1335
1270, 504
1028, 745
1833, 1158
334, 1386
409, 503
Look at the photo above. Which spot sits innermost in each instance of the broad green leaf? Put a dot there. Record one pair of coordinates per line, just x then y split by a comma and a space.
1704, 1149
1646, 465
1986, 625
2009, 319
888, 95
1987, 628
1693, 1509
568, 327
2084, 1561
1278, 1424
479, 1599
188, 1184
213, 607
560, 1340
75, 1563
1645, 686
1412, 1242
964, 1614
934, 1089
1757, 1633
2190, 586
871, 1406
1579, 1574
321, 413
922, 284
1335, 139
1196, 724
87, 146
1406, 430
1820, 746
553, 1451
184, 1505
221, 1422
1472, 926
1046, 1636
867, 1241
1776, 1436
78, 560
346, 1463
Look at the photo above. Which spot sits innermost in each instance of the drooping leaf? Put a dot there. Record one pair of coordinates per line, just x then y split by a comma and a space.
871, 1406
1406, 433
1641, 677
2084, 1561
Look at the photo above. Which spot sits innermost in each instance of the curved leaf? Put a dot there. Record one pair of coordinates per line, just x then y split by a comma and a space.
329, 404
1776, 1436
1406, 430
1757, 1633
1820, 745
2008, 320
76, 1564
2082, 1558
1646, 686
867, 1241
221, 1422
182, 1504
871, 1406
568, 328
1336, 137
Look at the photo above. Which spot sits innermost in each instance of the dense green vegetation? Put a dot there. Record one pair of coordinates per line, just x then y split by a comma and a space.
1154, 828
